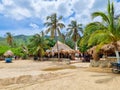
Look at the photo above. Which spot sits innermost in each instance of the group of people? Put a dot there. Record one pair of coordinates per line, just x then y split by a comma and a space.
85, 57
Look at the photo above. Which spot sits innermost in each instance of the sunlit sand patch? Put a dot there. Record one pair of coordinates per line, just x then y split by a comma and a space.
105, 80
100, 70
61, 67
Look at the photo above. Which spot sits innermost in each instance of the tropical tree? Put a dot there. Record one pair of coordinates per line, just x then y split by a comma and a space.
54, 26
74, 31
88, 31
38, 45
108, 31
9, 38
25, 52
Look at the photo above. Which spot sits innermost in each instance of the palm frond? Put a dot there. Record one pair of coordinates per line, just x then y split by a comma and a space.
70, 33
100, 36
92, 27
60, 18
48, 24
101, 14
61, 25
109, 7
48, 17
48, 30
112, 9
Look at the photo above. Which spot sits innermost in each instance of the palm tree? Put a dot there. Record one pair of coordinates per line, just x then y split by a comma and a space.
24, 51
54, 26
63, 37
74, 31
38, 45
9, 38
104, 32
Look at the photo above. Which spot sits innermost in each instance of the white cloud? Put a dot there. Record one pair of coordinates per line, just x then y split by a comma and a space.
18, 13
43, 8
40, 9
7, 2
20, 31
1, 7
117, 9
64, 8
81, 6
34, 26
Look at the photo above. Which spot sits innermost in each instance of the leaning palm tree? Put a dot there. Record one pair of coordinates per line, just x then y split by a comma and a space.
74, 31
54, 26
106, 31
38, 45
9, 38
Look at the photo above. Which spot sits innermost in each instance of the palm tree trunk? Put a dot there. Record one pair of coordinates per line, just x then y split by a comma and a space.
117, 52
58, 51
41, 59
95, 56
57, 45
76, 45
117, 56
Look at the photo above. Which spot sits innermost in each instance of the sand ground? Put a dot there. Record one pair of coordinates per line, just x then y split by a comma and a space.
29, 75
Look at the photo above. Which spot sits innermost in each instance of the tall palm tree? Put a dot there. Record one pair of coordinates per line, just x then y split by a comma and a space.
74, 31
104, 32
54, 26
9, 38
38, 45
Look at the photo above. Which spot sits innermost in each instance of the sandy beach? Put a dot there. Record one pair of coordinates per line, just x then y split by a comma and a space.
31, 75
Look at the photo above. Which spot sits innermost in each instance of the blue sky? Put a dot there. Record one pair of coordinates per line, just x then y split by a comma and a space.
28, 16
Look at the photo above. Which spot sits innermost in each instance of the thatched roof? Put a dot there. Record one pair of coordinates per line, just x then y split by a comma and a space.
61, 47
8, 53
111, 47
107, 48
91, 50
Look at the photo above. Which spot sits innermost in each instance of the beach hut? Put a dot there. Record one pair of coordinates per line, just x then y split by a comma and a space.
110, 48
106, 50
63, 49
61, 46
8, 56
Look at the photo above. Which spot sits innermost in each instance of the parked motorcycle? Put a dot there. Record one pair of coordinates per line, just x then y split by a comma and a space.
116, 68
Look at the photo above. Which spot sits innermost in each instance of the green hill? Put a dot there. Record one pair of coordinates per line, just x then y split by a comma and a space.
22, 39
19, 39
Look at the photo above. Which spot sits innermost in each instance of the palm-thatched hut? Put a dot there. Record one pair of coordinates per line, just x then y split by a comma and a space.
94, 53
64, 50
106, 50
8, 56
8, 53
61, 46
110, 48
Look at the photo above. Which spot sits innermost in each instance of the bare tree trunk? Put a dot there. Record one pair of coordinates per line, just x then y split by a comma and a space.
117, 52
58, 51
117, 56
57, 45
76, 45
